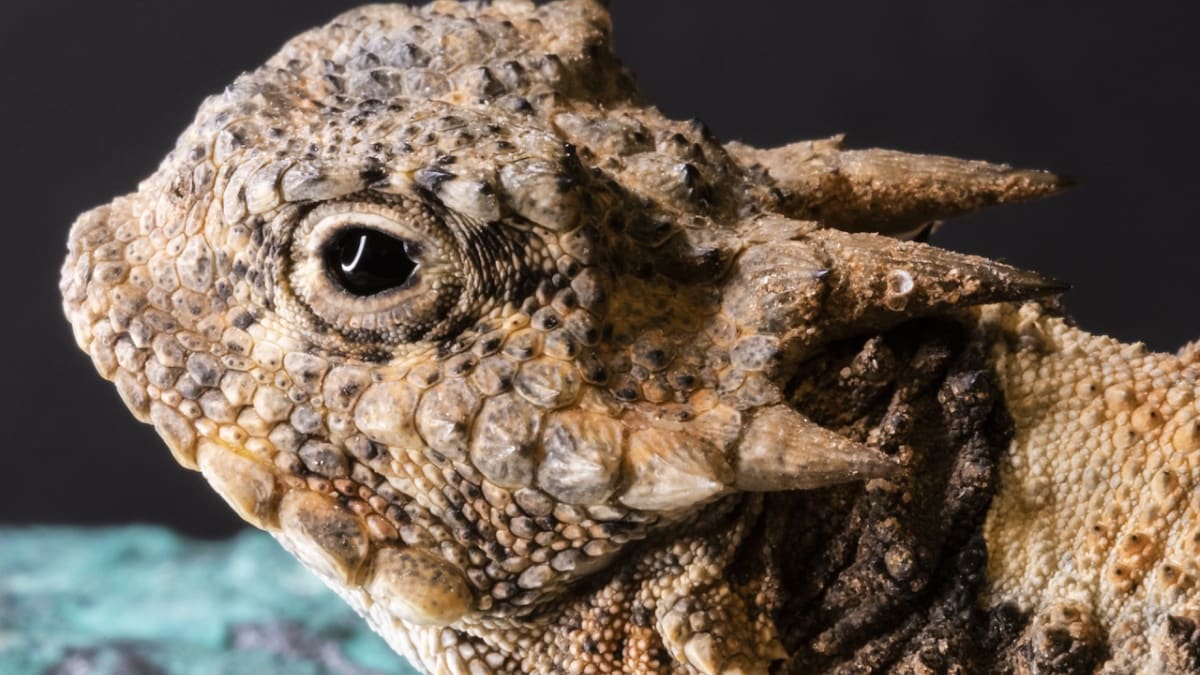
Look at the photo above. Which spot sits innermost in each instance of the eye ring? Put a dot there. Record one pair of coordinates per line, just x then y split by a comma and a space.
410, 288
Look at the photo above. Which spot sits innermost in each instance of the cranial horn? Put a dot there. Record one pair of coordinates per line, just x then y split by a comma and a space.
783, 450
876, 281
821, 285
886, 191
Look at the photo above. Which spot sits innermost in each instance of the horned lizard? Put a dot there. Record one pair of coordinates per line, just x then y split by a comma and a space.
540, 380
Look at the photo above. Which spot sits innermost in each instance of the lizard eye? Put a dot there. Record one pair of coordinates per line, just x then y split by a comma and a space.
378, 272
366, 262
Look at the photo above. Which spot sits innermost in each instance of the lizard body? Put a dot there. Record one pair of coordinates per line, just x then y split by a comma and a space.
541, 380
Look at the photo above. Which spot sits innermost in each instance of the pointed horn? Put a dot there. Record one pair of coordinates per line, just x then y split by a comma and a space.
876, 281
808, 288
783, 450
886, 191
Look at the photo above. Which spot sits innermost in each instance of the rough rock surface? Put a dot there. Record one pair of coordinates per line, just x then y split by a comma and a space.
142, 601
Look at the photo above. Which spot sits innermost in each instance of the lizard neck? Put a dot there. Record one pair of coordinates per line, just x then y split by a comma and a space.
1095, 528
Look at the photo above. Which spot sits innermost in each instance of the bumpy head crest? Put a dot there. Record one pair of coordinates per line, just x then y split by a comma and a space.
432, 298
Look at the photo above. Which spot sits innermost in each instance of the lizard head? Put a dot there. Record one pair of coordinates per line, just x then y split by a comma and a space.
435, 299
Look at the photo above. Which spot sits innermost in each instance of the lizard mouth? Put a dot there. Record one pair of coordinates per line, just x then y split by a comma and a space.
410, 583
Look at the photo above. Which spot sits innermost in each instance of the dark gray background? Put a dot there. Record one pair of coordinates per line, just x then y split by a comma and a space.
95, 93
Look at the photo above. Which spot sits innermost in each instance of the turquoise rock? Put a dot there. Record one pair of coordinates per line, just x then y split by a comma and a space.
144, 601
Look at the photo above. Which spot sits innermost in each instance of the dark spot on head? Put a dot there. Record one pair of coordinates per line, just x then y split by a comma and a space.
412, 56
568, 299
518, 104
375, 356
700, 127
490, 345
257, 235
432, 178
373, 174
564, 182
570, 268
691, 176
495, 550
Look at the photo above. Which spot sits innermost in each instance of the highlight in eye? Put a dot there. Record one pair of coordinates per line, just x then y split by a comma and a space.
365, 261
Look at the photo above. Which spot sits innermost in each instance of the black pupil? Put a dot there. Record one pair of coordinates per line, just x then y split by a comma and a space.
366, 262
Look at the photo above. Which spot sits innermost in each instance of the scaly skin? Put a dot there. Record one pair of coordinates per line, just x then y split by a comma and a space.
647, 402
1098, 515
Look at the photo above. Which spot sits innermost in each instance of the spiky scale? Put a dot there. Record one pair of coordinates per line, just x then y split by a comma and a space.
886, 191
